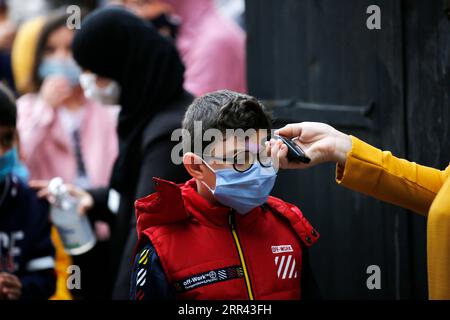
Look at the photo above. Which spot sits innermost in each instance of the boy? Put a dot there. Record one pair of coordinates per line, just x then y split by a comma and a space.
220, 235
26, 251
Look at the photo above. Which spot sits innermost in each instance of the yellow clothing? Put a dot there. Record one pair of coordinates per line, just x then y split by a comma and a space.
62, 262
418, 188
23, 51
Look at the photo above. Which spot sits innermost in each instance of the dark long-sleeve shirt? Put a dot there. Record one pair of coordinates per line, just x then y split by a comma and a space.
26, 249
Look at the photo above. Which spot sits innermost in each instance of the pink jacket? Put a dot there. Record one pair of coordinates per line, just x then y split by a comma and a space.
47, 148
212, 48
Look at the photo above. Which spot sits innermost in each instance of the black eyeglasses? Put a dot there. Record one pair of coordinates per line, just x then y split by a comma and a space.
243, 160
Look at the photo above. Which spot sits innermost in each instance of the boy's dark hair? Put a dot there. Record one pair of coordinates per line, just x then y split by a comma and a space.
223, 110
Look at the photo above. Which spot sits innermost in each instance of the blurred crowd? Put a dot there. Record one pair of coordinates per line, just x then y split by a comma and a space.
96, 106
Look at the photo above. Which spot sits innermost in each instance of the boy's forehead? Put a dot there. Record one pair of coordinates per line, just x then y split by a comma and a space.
243, 140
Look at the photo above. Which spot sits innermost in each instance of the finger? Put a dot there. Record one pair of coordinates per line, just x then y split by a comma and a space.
268, 148
13, 294
38, 184
43, 193
11, 279
11, 282
284, 162
282, 156
82, 209
5, 277
73, 191
274, 154
62, 94
86, 204
290, 131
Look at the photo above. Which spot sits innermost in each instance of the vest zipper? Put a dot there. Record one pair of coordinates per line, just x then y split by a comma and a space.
241, 256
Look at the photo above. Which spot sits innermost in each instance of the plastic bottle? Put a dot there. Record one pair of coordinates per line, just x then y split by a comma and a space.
74, 229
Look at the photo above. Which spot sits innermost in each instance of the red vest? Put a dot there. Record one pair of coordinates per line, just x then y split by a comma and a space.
212, 252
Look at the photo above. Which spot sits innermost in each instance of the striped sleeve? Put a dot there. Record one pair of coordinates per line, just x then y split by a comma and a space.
148, 280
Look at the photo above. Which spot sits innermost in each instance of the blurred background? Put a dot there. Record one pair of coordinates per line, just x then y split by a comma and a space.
316, 60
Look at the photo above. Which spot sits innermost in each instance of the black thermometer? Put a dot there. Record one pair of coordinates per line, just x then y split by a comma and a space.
295, 153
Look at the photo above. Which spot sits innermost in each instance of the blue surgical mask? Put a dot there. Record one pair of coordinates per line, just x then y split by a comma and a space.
7, 163
63, 67
243, 191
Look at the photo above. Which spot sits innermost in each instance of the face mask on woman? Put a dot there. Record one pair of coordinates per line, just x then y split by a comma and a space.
107, 95
64, 67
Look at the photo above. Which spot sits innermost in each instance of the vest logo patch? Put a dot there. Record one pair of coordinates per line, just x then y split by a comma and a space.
281, 249
286, 267
285, 263
209, 277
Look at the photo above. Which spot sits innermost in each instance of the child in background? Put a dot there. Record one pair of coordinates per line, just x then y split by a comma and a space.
26, 250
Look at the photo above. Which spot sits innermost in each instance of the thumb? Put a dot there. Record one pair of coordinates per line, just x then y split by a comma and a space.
290, 131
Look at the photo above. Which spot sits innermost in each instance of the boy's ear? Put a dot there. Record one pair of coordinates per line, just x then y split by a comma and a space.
194, 165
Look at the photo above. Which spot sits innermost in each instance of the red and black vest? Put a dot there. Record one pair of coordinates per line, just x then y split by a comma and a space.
212, 252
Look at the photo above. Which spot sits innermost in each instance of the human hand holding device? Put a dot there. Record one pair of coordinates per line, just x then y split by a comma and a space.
319, 142
294, 153
86, 202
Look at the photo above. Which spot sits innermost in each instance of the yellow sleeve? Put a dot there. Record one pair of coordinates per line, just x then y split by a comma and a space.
381, 175
438, 245
62, 262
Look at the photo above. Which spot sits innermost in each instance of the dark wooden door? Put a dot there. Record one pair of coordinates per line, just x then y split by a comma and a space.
315, 60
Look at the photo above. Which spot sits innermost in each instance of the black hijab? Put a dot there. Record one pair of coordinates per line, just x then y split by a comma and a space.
116, 44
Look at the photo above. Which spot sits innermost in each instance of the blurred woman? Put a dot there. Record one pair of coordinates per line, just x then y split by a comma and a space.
63, 133
126, 60
212, 46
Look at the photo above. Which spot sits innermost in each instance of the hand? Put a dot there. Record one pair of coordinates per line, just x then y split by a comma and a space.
10, 287
85, 200
102, 230
55, 90
321, 143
